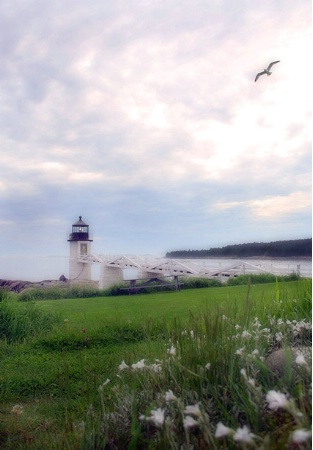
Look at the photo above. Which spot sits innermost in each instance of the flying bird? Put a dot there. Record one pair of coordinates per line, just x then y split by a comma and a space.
266, 71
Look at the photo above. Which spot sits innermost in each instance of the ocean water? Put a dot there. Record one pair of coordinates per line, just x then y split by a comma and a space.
229, 266
277, 266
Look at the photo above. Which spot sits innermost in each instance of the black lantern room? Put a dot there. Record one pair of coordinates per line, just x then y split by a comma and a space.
80, 231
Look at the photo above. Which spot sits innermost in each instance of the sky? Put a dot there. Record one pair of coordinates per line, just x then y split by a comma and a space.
143, 117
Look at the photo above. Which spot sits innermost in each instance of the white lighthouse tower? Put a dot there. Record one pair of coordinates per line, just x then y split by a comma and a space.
80, 248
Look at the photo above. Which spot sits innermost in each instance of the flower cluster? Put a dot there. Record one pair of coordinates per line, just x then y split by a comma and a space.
193, 416
141, 365
157, 417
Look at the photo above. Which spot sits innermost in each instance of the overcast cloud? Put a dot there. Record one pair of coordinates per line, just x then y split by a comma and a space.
144, 117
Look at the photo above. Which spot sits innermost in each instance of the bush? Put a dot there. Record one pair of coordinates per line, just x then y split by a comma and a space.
76, 291
18, 323
51, 293
81, 291
196, 283
260, 279
4, 295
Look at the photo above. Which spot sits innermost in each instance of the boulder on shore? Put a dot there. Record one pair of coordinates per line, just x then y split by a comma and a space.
20, 285
281, 361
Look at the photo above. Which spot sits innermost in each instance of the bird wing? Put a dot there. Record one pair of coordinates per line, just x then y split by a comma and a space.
272, 63
259, 74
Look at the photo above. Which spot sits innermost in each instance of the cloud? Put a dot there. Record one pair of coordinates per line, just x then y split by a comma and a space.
145, 118
274, 207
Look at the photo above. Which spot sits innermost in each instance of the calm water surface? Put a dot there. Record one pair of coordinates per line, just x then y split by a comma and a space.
275, 264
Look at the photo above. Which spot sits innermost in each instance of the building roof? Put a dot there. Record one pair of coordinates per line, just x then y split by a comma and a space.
80, 222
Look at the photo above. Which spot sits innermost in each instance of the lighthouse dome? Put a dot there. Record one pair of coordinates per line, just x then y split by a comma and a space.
80, 231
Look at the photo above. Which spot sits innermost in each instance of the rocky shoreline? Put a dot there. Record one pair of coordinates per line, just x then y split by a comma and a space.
20, 285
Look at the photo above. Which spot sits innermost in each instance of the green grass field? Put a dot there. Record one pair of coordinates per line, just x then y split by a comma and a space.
138, 308
54, 374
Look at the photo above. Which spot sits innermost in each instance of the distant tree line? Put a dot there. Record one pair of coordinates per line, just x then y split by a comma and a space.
297, 247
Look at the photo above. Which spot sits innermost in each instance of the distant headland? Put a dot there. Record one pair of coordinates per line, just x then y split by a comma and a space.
278, 249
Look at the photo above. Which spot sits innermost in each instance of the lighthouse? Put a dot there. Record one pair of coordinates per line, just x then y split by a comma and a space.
80, 246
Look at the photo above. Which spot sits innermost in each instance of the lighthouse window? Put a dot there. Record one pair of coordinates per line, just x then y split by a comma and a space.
80, 229
83, 249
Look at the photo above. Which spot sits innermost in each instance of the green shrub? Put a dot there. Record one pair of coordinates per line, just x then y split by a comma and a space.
260, 279
51, 293
18, 323
6, 295
76, 291
3, 295
196, 283
85, 291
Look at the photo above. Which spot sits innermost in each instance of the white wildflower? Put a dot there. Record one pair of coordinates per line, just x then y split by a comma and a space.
193, 409
245, 334
139, 365
157, 416
157, 368
276, 400
300, 360
252, 382
243, 435
123, 366
190, 422
240, 351
256, 323
255, 352
172, 350
192, 334
169, 396
224, 317
207, 366
17, 409
237, 327
100, 388
300, 436
222, 430
265, 330
279, 337
244, 373
280, 322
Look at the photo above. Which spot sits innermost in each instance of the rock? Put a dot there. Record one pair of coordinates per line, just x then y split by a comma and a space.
280, 361
19, 286
15, 285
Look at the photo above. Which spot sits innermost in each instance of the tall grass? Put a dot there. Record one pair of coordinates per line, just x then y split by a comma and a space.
211, 387
198, 379
85, 291
19, 323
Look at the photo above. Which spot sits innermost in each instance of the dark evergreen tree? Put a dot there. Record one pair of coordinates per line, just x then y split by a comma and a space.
287, 249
